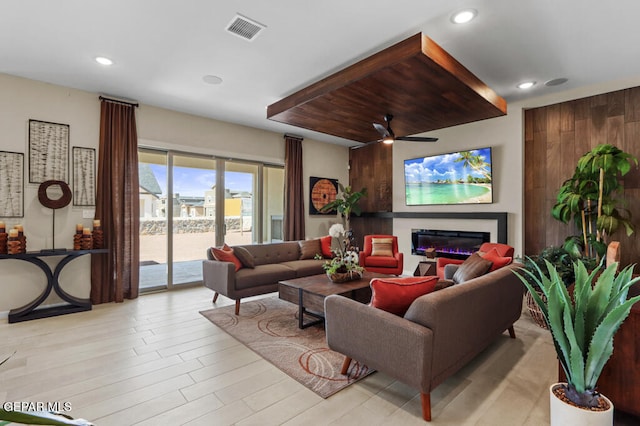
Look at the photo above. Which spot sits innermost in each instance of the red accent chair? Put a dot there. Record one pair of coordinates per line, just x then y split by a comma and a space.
391, 265
503, 250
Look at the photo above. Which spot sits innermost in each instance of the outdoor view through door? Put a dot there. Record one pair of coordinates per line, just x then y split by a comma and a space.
176, 231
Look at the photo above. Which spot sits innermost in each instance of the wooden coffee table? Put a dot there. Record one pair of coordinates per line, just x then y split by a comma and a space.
309, 293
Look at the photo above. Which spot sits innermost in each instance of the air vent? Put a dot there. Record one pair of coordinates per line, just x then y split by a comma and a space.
245, 28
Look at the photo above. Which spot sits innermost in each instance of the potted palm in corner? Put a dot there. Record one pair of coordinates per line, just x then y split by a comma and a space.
591, 198
346, 203
583, 326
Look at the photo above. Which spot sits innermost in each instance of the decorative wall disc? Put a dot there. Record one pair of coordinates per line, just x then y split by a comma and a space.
57, 203
323, 191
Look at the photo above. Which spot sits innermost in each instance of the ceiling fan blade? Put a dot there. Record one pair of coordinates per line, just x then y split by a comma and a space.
381, 129
387, 133
416, 139
363, 144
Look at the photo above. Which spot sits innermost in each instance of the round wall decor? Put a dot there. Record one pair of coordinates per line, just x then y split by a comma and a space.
323, 191
47, 201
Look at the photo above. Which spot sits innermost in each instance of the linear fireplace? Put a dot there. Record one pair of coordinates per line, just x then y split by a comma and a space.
453, 244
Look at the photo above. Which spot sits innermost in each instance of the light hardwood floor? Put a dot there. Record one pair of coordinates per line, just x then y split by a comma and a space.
157, 361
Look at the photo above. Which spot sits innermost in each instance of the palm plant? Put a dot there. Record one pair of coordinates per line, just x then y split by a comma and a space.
346, 203
583, 326
589, 198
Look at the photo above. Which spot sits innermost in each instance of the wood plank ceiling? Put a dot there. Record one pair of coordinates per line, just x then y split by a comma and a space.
423, 86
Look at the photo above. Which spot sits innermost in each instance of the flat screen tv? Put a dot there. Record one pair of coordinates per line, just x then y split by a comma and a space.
462, 177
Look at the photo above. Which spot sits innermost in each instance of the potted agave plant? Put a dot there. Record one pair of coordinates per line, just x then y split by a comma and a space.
583, 326
562, 261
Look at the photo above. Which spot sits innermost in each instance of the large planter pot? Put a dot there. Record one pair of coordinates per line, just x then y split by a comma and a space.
534, 309
564, 414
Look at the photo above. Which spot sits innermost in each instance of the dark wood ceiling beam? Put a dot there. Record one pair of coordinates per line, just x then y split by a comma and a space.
415, 80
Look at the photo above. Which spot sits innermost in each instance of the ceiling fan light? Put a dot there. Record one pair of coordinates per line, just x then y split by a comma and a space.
388, 140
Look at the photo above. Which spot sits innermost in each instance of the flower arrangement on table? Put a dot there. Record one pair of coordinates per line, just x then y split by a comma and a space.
344, 265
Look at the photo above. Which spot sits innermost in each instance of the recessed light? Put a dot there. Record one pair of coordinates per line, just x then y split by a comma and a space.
212, 79
556, 81
526, 85
464, 16
104, 61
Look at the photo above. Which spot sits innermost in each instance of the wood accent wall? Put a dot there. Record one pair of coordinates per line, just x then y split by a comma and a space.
556, 136
371, 167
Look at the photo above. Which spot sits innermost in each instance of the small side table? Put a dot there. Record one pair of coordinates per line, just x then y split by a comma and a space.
425, 267
74, 304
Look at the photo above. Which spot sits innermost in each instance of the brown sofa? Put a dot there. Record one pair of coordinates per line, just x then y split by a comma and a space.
273, 262
440, 333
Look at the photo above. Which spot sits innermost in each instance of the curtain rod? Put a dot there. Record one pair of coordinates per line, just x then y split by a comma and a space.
103, 98
289, 135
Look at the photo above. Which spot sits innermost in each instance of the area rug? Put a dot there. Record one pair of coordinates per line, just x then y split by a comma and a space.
269, 327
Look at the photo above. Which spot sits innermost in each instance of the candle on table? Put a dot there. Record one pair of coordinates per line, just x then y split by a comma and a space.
86, 231
79, 228
13, 233
96, 223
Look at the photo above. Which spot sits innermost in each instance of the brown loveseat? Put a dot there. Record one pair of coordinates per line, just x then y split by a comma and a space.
271, 263
439, 334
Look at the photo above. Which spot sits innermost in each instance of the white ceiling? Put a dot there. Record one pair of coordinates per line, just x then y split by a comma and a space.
163, 48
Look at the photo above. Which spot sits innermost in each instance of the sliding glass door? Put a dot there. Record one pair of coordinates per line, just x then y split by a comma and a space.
240, 200
154, 245
193, 230
273, 204
179, 215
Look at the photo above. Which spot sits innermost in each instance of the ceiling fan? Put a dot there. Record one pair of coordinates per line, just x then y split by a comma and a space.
388, 136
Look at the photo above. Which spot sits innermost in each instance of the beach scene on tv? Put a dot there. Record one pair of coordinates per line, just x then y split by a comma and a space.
456, 178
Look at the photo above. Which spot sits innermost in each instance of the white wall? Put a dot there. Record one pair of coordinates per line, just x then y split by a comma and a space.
323, 160
506, 136
23, 99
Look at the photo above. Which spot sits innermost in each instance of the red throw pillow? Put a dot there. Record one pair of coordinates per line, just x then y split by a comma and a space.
225, 254
395, 295
497, 260
325, 245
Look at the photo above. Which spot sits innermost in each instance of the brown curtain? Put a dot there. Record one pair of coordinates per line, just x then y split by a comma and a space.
115, 276
294, 190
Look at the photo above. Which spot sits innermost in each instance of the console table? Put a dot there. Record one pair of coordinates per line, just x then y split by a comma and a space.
74, 304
